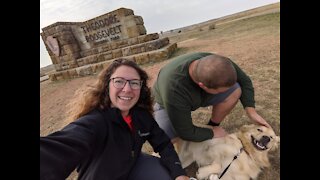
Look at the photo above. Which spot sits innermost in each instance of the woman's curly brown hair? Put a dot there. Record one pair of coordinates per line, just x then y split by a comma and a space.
97, 95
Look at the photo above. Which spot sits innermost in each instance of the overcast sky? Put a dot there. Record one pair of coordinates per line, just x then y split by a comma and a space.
158, 15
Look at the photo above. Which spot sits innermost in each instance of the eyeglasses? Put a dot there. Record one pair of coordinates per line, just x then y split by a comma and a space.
119, 83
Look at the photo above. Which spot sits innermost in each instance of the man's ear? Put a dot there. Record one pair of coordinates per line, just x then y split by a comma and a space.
200, 84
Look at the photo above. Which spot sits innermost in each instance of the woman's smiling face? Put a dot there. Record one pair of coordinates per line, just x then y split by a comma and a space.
124, 98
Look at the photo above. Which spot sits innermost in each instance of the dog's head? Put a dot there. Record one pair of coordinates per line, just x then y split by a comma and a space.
258, 141
260, 137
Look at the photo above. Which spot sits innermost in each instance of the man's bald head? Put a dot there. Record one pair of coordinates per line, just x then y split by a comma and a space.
216, 71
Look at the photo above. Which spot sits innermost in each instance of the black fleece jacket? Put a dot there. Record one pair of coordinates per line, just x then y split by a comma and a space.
101, 146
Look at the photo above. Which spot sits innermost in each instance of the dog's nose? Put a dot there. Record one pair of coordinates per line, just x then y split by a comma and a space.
265, 139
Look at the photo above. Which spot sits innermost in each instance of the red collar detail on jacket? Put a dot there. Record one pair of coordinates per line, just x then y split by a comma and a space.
128, 120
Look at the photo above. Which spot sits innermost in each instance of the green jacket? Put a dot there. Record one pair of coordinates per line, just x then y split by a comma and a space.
175, 91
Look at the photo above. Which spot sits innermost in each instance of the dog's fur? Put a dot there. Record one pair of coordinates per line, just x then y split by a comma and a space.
214, 155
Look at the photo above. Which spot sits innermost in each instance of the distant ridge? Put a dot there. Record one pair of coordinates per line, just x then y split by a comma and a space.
271, 8
45, 70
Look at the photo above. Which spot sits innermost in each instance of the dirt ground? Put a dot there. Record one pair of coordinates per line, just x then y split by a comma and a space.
253, 44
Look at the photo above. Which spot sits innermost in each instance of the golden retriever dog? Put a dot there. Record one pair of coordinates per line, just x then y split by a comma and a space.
238, 156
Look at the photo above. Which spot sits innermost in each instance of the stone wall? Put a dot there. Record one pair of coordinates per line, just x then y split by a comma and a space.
83, 48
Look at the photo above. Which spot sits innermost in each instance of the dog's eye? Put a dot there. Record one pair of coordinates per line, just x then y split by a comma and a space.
271, 137
259, 130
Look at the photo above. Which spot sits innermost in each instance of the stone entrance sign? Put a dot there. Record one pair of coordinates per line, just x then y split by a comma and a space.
83, 48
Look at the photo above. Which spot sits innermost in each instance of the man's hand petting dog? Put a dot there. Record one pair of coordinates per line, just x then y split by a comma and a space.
218, 131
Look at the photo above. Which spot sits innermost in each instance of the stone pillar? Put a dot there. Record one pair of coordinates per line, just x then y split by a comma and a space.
61, 45
133, 26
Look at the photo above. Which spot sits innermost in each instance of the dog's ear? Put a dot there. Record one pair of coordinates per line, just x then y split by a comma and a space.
278, 140
276, 143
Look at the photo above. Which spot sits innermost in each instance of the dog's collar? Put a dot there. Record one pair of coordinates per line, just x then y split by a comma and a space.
235, 157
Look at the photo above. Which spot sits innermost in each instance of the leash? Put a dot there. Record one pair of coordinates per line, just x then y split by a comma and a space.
235, 157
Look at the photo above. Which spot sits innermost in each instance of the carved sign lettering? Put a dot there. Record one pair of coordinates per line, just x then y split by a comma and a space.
106, 34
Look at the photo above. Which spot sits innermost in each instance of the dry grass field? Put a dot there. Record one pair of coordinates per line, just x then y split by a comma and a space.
252, 40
